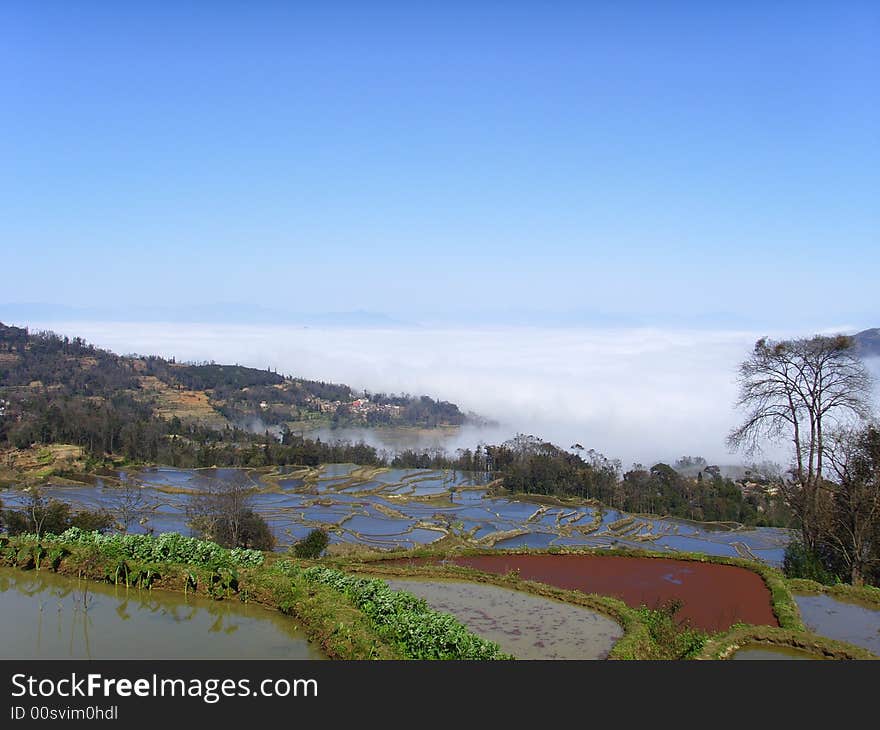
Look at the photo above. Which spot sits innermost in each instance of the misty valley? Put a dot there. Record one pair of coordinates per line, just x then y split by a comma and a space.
141, 495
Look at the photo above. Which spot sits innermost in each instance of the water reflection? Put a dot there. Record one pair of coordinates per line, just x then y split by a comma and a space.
851, 622
404, 508
47, 616
772, 653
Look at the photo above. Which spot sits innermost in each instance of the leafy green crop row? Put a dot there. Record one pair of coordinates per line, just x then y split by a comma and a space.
168, 547
405, 620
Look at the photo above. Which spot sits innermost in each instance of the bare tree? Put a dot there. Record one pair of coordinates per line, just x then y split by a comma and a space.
221, 507
854, 455
36, 509
129, 504
791, 391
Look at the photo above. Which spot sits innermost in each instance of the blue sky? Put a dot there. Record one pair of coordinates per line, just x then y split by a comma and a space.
701, 161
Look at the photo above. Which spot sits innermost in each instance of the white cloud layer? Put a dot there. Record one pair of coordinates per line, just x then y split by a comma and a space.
634, 394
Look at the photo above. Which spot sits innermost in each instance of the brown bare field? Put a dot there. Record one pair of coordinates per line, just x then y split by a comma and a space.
714, 597
187, 405
34, 464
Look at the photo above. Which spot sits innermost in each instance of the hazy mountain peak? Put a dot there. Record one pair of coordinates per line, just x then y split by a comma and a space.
868, 342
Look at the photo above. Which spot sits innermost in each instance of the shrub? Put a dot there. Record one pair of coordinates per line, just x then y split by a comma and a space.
801, 562
91, 520
312, 545
51, 516
41, 514
15, 522
674, 639
253, 532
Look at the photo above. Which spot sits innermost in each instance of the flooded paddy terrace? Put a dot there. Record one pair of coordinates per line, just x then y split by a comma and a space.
713, 596
524, 625
404, 508
844, 620
49, 616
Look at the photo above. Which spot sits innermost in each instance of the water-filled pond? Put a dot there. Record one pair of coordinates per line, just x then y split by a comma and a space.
527, 626
764, 652
48, 616
853, 623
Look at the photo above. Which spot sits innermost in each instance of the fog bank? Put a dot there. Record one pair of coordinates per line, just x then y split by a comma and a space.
634, 394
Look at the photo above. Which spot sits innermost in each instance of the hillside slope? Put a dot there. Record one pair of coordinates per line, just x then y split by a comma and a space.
43, 363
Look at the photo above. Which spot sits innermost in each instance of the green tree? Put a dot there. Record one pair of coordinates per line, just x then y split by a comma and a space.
854, 527
312, 545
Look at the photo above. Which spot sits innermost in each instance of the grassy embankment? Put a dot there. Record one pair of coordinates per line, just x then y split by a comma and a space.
844, 591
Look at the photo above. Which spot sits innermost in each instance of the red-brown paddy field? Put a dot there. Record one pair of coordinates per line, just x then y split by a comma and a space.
713, 596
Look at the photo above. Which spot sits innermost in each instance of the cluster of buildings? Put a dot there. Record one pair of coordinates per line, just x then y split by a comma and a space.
358, 406
759, 488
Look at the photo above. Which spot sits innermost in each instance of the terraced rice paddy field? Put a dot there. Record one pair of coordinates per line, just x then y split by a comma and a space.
524, 625
541, 605
49, 616
713, 596
849, 621
407, 508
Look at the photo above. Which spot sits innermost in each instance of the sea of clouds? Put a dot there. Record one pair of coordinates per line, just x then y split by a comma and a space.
636, 394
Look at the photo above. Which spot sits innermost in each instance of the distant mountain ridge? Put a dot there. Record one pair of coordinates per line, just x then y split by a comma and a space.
868, 342
43, 366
